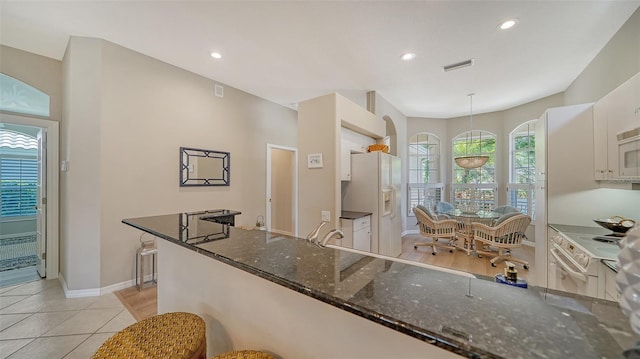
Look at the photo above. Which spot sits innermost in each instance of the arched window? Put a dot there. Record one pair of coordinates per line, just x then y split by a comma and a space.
17, 96
425, 182
522, 169
474, 189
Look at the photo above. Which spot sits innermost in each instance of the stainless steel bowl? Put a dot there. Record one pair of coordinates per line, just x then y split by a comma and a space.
617, 224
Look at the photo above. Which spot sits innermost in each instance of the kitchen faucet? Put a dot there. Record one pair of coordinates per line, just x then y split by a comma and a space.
313, 236
330, 235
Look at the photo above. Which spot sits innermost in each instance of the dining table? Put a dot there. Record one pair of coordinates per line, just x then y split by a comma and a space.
464, 230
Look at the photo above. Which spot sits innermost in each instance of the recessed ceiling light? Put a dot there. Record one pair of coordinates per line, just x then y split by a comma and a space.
408, 56
216, 55
508, 24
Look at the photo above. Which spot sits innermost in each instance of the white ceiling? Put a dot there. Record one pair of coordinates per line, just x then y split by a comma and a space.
288, 52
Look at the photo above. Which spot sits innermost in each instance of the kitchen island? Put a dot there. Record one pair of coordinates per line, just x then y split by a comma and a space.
285, 295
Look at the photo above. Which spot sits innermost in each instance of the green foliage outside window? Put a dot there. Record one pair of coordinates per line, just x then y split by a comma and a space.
524, 156
476, 145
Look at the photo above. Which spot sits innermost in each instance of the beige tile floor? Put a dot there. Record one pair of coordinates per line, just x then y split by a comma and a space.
37, 321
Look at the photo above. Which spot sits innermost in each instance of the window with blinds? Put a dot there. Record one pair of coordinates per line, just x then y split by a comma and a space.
424, 184
521, 188
474, 189
18, 187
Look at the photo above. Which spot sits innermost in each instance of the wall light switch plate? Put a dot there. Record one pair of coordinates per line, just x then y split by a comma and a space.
326, 216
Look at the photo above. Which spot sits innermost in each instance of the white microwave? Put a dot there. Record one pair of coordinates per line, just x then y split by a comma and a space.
629, 153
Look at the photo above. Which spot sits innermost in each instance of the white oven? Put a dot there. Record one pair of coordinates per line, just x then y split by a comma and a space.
573, 269
629, 153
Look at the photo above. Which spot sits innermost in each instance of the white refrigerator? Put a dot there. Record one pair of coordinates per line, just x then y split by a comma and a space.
375, 188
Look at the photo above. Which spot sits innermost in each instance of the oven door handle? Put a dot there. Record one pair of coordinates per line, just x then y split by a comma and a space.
577, 275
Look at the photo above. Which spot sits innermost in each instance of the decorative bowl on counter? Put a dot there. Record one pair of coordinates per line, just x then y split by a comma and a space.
379, 147
618, 224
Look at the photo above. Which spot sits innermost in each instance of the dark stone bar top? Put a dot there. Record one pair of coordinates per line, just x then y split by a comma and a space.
494, 321
354, 214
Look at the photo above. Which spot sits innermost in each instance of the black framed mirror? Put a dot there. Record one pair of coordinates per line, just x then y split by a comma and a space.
200, 167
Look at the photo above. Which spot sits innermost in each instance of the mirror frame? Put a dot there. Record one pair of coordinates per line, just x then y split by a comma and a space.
187, 154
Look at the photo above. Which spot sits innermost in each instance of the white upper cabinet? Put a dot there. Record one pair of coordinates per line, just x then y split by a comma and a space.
616, 116
351, 142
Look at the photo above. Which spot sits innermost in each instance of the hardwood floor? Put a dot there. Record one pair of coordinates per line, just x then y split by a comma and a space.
144, 304
141, 304
459, 260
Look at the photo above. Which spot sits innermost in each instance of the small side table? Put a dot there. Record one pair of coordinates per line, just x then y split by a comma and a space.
146, 252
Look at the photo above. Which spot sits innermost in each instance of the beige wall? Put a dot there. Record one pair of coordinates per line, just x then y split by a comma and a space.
128, 115
618, 61
80, 145
318, 188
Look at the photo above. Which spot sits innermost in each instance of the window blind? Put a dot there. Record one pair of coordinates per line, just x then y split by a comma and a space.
18, 187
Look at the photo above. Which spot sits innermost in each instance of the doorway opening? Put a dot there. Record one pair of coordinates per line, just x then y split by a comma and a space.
282, 190
28, 232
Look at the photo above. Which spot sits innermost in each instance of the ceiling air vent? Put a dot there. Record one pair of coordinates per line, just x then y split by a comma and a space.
458, 65
219, 90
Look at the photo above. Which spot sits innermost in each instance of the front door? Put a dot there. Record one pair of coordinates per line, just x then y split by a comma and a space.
41, 205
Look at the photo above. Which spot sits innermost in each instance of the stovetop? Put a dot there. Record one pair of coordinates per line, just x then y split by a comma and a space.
584, 237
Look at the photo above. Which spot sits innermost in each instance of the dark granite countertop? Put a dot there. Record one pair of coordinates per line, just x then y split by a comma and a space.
496, 321
353, 214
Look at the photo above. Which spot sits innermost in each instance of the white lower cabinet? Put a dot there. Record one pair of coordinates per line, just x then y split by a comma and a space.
357, 233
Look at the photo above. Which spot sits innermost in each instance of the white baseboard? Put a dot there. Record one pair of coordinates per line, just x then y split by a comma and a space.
118, 286
410, 231
68, 293
95, 292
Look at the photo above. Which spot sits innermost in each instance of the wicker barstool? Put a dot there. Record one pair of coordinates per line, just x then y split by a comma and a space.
244, 354
169, 335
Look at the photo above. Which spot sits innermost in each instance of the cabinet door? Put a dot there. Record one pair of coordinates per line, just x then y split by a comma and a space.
362, 240
345, 161
541, 148
600, 110
623, 115
541, 201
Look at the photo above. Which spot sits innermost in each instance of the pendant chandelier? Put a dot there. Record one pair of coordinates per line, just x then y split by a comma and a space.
473, 161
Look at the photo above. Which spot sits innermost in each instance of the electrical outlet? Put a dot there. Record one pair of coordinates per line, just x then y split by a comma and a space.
326, 216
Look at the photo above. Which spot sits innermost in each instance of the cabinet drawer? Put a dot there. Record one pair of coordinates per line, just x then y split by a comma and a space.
362, 223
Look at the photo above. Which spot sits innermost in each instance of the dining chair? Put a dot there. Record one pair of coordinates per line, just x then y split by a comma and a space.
504, 236
435, 229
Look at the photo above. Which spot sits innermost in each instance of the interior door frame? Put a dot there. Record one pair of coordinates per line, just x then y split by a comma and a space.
294, 189
41, 204
52, 215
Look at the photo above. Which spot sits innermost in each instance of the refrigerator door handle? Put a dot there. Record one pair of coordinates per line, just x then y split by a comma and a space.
393, 203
